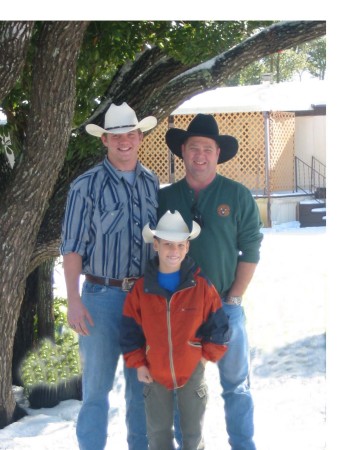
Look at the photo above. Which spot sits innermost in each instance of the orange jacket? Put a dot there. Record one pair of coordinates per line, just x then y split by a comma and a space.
170, 333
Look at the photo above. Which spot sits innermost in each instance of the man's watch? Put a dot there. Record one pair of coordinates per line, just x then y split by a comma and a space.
235, 300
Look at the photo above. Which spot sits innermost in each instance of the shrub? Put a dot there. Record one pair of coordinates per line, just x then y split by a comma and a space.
53, 364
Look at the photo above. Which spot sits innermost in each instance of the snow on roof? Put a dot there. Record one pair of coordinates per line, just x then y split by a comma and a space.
288, 96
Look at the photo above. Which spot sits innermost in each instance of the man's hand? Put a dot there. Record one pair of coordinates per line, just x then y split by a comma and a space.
78, 317
143, 374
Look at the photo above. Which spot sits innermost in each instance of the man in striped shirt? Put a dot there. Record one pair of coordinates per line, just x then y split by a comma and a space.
106, 210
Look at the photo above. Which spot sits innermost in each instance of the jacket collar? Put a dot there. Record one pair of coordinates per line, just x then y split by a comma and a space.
187, 271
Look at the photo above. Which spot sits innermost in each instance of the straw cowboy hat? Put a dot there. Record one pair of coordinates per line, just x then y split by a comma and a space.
121, 119
206, 126
171, 227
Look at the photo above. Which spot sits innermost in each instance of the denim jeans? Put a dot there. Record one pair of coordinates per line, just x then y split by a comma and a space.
234, 379
100, 352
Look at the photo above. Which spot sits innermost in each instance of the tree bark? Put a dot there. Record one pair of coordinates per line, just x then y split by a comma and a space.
48, 131
45, 305
24, 337
14, 43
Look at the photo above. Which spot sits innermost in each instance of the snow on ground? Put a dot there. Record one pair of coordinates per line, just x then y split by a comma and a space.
286, 309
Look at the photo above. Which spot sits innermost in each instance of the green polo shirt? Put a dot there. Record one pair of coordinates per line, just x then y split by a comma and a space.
230, 226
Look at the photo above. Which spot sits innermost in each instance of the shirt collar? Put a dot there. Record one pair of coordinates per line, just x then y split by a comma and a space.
117, 174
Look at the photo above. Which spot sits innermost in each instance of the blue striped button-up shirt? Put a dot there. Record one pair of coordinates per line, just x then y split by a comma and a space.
104, 219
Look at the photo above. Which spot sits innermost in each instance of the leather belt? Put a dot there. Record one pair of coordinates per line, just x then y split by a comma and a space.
126, 283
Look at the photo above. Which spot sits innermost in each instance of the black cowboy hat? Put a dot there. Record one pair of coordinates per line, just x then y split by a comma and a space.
206, 126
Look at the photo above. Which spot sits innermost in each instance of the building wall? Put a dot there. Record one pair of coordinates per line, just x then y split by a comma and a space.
251, 166
277, 210
302, 136
310, 138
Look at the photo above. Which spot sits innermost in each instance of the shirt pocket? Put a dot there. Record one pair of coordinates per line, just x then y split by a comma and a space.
113, 218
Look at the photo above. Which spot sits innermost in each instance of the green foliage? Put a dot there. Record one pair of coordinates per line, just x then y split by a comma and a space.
51, 362
197, 41
317, 58
110, 44
82, 144
285, 65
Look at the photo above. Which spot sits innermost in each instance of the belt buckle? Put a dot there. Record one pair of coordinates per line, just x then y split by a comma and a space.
127, 284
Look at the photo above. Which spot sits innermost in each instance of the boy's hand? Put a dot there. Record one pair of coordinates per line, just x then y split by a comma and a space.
143, 374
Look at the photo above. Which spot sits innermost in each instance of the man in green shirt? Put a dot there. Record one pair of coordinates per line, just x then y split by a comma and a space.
227, 250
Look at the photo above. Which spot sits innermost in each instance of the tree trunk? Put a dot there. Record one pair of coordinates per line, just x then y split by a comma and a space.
47, 135
24, 338
45, 306
37, 303
14, 44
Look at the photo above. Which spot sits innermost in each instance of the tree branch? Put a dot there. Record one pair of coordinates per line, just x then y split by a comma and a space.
217, 71
14, 42
165, 83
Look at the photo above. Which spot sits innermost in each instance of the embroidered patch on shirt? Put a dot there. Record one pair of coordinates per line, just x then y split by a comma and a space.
223, 210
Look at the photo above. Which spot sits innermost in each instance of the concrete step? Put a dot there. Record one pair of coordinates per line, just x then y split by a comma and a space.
312, 214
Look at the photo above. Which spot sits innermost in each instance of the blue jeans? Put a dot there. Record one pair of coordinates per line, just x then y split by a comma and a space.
234, 379
100, 352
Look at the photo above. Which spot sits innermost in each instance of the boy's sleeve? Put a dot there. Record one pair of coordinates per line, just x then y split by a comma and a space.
214, 331
132, 339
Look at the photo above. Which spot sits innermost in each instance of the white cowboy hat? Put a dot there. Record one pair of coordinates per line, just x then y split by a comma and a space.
121, 119
171, 227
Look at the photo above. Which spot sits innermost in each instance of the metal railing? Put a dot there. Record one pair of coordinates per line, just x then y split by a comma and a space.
310, 179
318, 176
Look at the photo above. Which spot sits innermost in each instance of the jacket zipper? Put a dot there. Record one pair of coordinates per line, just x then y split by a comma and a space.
169, 337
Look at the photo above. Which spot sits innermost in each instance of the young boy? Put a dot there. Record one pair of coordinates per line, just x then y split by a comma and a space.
172, 324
